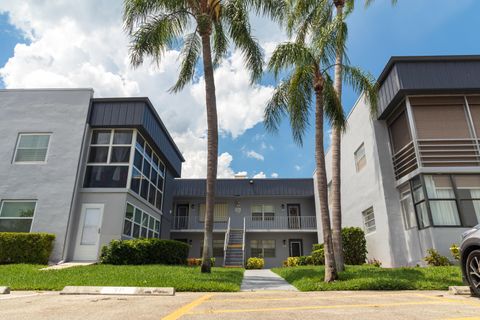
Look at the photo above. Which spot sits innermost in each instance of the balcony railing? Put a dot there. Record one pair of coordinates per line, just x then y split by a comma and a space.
405, 160
281, 223
194, 222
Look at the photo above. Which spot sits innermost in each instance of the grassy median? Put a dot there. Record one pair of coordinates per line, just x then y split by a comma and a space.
29, 277
310, 278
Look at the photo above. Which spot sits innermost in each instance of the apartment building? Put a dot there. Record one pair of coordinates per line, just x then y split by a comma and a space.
411, 174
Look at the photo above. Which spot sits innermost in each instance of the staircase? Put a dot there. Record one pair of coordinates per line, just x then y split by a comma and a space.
234, 248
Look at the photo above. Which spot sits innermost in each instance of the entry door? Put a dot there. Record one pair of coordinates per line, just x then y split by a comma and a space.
296, 248
181, 218
293, 216
88, 234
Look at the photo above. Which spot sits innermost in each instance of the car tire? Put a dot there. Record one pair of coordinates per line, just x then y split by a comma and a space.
472, 268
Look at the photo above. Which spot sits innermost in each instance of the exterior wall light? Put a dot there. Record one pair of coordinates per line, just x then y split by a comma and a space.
284, 243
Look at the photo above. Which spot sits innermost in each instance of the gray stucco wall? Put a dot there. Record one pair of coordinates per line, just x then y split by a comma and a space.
63, 113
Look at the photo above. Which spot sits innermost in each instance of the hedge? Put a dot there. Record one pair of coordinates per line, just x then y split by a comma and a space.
16, 247
354, 246
145, 251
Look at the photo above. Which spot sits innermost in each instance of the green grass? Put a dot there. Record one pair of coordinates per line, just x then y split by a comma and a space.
310, 278
29, 277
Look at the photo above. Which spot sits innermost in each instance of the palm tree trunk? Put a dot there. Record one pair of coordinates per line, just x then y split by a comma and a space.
336, 205
212, 151
321, 176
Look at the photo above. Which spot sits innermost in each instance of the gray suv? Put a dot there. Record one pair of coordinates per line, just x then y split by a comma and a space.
470, 258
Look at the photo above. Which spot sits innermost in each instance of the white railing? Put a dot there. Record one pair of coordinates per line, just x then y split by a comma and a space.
405, 160
449, 152
194, 222
225, 244
281, 223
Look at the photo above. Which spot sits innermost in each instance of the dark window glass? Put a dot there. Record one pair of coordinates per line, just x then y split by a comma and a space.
137, 160
136, 180
150, 234
148, 152
151, 194
106, 177
15, 225
129, 212
156, 161
144, 189
127, 228
153, 176
160, 183
98, 155
470, 212
122, 137
138, 216
158, 203
146, 168
120, 155
144, 232
140, 142
101, 137
162, 169
136, 231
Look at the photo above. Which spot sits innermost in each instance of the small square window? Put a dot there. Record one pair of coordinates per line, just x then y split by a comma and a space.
369, 220
32, 147
360, 158
101, 137
16, 216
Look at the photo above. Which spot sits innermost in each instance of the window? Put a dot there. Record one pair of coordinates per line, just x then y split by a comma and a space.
217, 251
148, 173
139, 224
16, 216
420, 203
468, 190
32, 147
263, 212
108, 159
360, 158
262, 248
442, 201
220, 212
369, 220
406, 204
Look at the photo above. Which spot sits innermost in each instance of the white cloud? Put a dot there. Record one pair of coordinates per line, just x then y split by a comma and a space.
260, 175
297, 167
84, 45
274, 175
254, 155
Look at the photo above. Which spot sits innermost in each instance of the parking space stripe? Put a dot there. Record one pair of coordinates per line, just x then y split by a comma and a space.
467, 318
186, 308
378, 305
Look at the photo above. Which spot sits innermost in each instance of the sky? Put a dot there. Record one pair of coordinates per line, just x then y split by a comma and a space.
66, 43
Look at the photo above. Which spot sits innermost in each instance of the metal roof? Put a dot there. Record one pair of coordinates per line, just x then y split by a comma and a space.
246, 187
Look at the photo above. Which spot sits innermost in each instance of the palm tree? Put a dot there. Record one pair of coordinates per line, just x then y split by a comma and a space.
202, 28
308, 63
337, 137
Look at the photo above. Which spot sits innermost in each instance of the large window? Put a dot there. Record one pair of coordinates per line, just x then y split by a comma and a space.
408, 211
263, 212
217, 250
220, 212
262, 248
148, 173
16, 216
369, 220
360, 158
139, 224
450, 200
108, 159
32, 147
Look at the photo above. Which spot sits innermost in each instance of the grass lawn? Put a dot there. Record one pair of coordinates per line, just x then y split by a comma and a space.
29, 277
310, 278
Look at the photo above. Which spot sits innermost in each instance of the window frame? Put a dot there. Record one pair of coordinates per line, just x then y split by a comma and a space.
357, 160
20, 218
262, 248
19, 137
140, 224
272, 218
366, 228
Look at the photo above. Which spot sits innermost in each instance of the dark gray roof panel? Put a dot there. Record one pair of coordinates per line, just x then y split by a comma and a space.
246, 187
137, 113
426, 75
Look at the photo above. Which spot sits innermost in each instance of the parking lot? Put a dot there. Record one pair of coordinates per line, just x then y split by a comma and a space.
423, 305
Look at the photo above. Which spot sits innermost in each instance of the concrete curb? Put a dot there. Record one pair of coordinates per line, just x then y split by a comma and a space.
123, 291
459, 290
4, 290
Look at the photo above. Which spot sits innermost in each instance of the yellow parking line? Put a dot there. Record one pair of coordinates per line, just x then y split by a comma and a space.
186, 308
445, 299
378, 305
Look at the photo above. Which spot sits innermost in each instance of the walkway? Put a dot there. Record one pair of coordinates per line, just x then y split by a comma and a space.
257, 280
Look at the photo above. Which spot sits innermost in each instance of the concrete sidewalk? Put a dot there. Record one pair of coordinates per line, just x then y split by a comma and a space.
257, 280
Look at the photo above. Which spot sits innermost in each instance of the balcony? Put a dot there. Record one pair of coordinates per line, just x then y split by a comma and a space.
296, 224
305, 223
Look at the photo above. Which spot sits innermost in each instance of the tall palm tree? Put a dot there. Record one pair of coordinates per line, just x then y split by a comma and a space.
336, 205
203, 29
308, 61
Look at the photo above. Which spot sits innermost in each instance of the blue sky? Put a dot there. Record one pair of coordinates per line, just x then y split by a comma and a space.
413, 27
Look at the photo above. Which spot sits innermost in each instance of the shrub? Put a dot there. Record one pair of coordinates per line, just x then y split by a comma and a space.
25, 247
255, 263
374, 262
318, 255
354, 246
293, 261
194, 262
435, 259
145, 251
455, 250
305, 260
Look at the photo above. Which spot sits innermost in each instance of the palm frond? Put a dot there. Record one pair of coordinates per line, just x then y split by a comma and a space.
190, 52
276, 107
332, 105
363, 82
220, 42
290, 54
